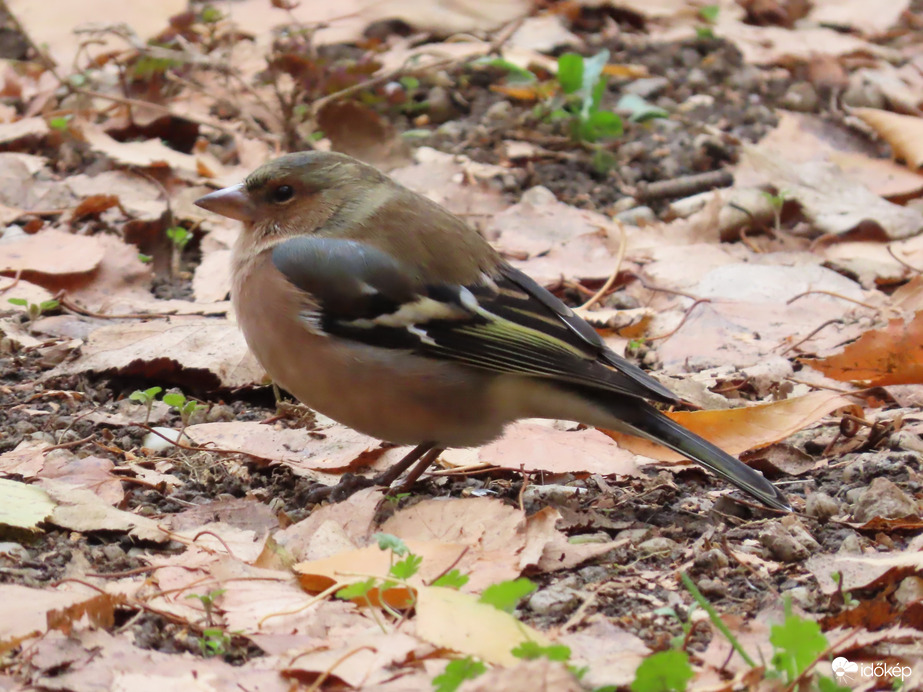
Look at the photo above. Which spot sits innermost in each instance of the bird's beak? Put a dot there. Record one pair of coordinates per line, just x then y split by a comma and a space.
233, 202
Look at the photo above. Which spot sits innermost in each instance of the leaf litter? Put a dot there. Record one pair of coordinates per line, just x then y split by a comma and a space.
788, 301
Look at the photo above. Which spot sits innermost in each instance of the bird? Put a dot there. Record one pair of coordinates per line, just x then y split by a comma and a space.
381, 309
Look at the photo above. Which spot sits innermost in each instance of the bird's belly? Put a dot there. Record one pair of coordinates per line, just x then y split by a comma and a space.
387, 394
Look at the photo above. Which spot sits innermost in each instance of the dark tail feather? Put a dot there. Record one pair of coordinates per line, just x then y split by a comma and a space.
644, 420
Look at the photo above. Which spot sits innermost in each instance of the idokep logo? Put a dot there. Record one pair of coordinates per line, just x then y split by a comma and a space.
849, 670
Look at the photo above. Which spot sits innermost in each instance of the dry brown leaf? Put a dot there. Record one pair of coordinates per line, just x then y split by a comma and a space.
171, 351
537, 674
27, 612
866, 571
832, 202
869, 18
739, 429
51, 253
152, 153
457, 621
612, 654
549, 239
494, 533
211, 282
357, 565
532, 447
51, 24
893, 355
369, 658
903, 132
801, 137
332, 528
91, 472
98, 660
81, 510
336, 448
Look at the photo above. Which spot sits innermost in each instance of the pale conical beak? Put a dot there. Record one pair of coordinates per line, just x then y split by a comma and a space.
233, 202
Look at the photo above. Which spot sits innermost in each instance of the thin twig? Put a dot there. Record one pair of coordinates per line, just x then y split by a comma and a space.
623, 243
812, 334
682, 321
835, 295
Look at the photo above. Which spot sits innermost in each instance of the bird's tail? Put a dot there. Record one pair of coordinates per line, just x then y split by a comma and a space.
640, 418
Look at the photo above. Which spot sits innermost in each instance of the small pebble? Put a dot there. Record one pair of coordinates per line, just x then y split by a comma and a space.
658, 544
821, 506
711, 559
910, 590
801, 97
648, 87
633, 535
553, 600
499, 112
713, 588
886, 500
782, 545
637, 217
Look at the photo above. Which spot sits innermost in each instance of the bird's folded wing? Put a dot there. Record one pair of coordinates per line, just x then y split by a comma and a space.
505, 323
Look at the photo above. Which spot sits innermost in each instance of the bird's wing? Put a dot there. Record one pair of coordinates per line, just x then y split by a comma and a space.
505, 323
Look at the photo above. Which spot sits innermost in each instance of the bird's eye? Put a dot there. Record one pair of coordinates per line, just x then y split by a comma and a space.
282, 194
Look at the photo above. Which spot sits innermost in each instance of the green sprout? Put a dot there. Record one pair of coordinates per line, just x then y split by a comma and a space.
456, 672
35, 310
186, 408
214, 642
583, 83
146, 398
208, 602
709, 15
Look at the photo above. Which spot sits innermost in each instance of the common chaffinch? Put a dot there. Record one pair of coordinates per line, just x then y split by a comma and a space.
384, 311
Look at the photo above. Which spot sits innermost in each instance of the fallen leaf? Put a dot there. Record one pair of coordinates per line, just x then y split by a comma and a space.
171, 351
739, 429
457, 621
51, 253
903, 132
23, 506
893, 355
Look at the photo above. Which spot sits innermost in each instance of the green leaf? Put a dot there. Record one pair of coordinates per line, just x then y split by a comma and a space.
592, 78
146, 259
453, 579
639, 110
797, 643
407, 567
710, 13
704, 33
47, 305
456, 673
530, 650
665, 671
211, 15
174, 399
514, 73
606, 124
179, 235
570, 72
507, 594
59, 123
357, 590
388, 542
410, 82
825, 684
22, 302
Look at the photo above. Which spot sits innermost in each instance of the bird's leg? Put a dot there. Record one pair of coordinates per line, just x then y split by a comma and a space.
417, 471
424, 450
351, 483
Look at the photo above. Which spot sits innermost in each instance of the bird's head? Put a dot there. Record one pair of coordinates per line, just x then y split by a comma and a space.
295, 194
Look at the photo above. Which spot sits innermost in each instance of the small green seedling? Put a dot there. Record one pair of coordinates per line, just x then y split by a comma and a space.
60, 123
146, 398
214, 642
145, 259
456, 672
665, 671
35, 310
679, 641
208, 602
506, 595
709, 15
179, 236
777, 201
583, 83
186, 408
